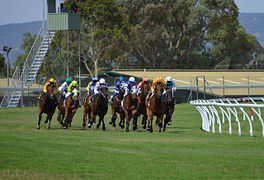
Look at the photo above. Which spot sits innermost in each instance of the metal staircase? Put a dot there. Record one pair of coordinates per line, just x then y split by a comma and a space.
27, 76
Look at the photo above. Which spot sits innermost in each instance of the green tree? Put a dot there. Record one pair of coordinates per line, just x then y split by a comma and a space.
2, 65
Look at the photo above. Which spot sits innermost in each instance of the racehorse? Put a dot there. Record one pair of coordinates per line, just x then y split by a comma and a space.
141, 108
129, 105
155, 107
116, 108
71, 106
87, 108
99, 107
47, 105
61, 110
169, 107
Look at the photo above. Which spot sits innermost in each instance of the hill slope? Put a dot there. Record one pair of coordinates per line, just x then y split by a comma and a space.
12, 35
254, 24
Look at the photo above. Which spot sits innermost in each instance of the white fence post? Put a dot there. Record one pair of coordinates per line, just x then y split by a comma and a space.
214, 110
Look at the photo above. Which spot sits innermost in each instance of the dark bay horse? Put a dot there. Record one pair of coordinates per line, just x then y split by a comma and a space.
47, 105
71, 107
129, 105
116, 108
155, 107
168, 107
99, 107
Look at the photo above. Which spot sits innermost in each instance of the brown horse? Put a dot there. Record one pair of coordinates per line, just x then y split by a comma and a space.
155, 107
168, 107
129, 105
71, 106
99, 107
47, 105
116, 108
141, 108
61, 110
87, 109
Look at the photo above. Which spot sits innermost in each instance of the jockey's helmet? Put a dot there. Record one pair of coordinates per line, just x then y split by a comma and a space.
146, 80
102, 81
132, 80
122, 79
52, 80
94, 79
168, 79
159, 79
74, 83
68, 80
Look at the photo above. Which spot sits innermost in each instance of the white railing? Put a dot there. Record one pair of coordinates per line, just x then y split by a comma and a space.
217, 111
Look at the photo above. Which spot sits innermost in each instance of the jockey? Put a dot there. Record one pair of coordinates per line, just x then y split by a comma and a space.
144, 83
73, 87
170, 84
91, 85
98, 85
157, 80
131, 86
64, 86
51, 83
119, 83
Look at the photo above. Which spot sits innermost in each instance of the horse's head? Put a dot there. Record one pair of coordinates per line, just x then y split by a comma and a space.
50, 91
159, 88
75, 95
104, 91
168, 96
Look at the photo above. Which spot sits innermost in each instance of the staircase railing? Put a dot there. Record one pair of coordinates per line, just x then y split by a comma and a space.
32, 53
19, 77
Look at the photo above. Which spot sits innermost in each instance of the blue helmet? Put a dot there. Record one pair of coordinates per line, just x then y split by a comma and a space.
94, 79
122, 79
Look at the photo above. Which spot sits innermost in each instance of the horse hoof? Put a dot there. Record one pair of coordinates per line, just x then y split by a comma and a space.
144, 127
114, 125
89, 125
134, 128
97, 127
110, 122
127, 129
122, 126
48, 127
151, 130
103, 128
38, 127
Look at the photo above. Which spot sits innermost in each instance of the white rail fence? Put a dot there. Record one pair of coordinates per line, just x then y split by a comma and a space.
218, 111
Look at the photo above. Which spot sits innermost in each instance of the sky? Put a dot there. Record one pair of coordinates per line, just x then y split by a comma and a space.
19, 11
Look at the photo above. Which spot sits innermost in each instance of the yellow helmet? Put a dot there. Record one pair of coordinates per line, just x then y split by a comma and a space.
74, 83
159, 79
52, 80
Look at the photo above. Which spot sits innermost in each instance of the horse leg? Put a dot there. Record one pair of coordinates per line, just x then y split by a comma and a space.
38, 124
150, 119
49, 122
135, 118
113, 119
144, 122
160, 122
99, 123
84, 118
102, 120
59, 115
128, 117
122, 120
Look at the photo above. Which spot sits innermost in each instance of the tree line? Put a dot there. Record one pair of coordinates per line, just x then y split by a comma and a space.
180, 34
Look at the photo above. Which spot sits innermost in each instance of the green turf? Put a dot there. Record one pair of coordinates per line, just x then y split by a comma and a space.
184, 151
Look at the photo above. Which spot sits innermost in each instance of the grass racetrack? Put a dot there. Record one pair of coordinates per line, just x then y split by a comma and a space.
183, 151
